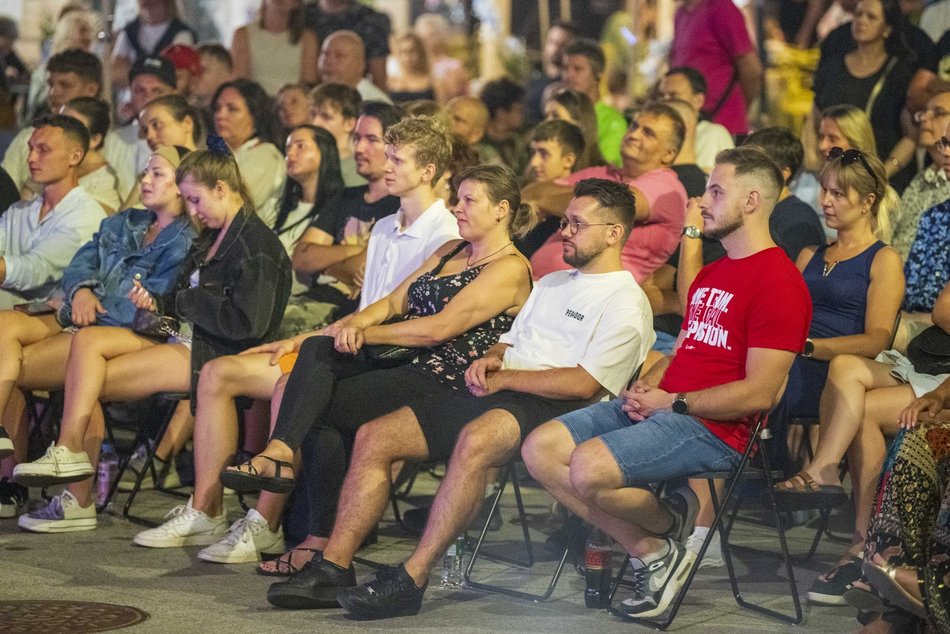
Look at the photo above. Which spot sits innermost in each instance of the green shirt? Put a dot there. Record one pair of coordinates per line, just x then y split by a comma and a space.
611, 126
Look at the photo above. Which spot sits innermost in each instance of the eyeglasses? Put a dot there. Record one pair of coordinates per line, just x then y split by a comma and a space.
936, 113
850, 156
573, 226
943, 143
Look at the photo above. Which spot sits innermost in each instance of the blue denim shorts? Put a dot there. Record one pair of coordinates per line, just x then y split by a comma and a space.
666, 446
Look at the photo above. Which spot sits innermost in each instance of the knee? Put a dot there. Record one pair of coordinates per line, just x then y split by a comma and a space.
87, 341
372, 441
478, 448
590, 472
545, 446
844, 366
214, 375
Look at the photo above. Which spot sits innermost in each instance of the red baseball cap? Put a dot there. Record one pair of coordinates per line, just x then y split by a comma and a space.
183, 57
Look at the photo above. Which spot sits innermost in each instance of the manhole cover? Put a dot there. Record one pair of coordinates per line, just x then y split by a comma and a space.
55, 617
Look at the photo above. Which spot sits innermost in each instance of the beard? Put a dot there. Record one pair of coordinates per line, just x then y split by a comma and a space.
580, 258
727, 227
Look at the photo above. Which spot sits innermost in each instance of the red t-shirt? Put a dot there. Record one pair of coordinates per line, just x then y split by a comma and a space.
760, 301
709, 37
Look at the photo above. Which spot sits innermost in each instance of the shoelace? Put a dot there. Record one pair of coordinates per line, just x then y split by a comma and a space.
641, 577
237, 531
176, 512
53, 510
387, 582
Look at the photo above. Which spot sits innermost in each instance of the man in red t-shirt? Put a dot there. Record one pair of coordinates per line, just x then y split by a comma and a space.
747, 318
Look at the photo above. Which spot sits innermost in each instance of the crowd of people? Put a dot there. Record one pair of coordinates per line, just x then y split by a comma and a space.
372, 264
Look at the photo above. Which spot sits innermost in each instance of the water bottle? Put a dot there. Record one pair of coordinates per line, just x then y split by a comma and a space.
597, 561
105, 476
452, 564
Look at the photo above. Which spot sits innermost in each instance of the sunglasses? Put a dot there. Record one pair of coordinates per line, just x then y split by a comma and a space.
943, 143
848, 157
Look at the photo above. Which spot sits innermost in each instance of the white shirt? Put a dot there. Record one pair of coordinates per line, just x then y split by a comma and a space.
394, 252
371, 92
263, 171
711, 138
14, 160
127, 154
37, 251
601, 322
102, 184
149, 36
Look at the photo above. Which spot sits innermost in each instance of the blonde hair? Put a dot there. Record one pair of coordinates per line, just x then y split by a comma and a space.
854, 125
207, 167
866, 180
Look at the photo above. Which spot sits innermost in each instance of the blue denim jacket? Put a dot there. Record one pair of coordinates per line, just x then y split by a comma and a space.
109, 262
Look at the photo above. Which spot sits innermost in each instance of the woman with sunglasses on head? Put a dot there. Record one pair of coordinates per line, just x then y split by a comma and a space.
857, 285
230, 296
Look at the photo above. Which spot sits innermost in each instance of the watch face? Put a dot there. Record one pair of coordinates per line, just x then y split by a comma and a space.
680, 406
691, 232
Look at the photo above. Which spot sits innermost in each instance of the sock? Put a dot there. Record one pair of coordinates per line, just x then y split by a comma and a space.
646, 560
700, 532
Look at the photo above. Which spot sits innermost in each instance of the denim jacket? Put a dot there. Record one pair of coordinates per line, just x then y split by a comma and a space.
241, 293
109, 262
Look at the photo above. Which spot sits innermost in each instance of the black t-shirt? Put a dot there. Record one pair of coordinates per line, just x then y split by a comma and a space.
840, 41
372, 26
794, 225
692, 178
353, 219
8, 191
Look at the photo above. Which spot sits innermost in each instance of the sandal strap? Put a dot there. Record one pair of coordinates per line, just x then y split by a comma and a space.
278, 465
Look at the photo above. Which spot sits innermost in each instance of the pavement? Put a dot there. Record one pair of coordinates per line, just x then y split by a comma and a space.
184, 594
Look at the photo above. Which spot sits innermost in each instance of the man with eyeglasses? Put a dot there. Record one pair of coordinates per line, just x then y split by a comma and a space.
929, 187
648, 150
578, 338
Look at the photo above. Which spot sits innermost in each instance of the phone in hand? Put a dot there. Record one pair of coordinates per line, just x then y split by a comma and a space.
35, 308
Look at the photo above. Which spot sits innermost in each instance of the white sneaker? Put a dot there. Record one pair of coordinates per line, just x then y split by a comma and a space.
247, 539
62, 515
6, 445
167, 473
58, 465
184, 526
713, 557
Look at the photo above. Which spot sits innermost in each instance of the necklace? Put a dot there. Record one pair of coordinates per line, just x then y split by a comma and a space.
828, 268
469, 265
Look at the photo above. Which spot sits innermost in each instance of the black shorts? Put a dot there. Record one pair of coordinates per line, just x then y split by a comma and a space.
442, 418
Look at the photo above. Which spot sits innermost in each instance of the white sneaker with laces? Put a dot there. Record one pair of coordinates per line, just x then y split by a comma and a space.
184, 526
58, 465
247, 539
62, 515
713, 557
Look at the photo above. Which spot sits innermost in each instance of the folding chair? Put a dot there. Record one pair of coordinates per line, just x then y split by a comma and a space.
510, 474
756, 442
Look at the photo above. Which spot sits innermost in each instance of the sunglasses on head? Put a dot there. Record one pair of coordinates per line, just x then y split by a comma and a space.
848, 157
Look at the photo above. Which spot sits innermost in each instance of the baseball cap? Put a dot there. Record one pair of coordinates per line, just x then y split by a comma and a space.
183, 57
158, 66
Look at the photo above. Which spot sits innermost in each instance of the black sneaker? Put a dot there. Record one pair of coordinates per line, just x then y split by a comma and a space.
415, 520
655, 585
683, 505
391, 593
6, 445
830, 588
12, 498
315, 586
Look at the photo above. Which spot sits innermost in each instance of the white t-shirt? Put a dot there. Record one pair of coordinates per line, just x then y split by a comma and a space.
601, 322
127, 154
262, 169
149, 36
711, 138
394, 251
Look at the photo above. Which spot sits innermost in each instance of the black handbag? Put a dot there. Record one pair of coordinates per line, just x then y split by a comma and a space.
390, 355
151, 324
929, 351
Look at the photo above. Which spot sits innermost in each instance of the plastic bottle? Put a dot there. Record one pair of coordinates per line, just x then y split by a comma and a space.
452, 564
105, 476
597, 560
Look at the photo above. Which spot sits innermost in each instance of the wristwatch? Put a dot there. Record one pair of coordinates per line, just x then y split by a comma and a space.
809, 348
691, 231
680, 406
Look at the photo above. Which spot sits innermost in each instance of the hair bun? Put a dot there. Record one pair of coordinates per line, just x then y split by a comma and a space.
217, 145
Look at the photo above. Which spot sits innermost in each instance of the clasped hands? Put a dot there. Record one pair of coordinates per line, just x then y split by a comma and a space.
640, 401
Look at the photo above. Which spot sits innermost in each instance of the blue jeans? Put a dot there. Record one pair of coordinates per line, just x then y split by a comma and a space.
666, 446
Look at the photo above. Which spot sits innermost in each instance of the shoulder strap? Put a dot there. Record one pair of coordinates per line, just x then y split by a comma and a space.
132, 33
879, 85
711, 114
449, 256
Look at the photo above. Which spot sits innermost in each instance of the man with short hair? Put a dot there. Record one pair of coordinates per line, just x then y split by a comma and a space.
601, 321
187, 63
125, 151
334, 107
649, 148
688, 84
467, 117
39, 237
72, 73
343, 61
557, 37
582, 67
326, 17
505, 102
216, 68
748, 317
690, 174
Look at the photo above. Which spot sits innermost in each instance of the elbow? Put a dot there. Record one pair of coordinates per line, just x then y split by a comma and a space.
437, 334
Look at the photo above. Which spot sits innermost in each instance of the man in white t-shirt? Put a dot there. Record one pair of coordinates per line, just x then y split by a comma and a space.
578, 338
689, 85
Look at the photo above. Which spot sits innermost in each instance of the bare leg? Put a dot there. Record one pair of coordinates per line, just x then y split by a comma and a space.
91, 351
365, 492
842, 410
216, 423
491, 440
586, 479
866, 454
18, 331
180, 430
